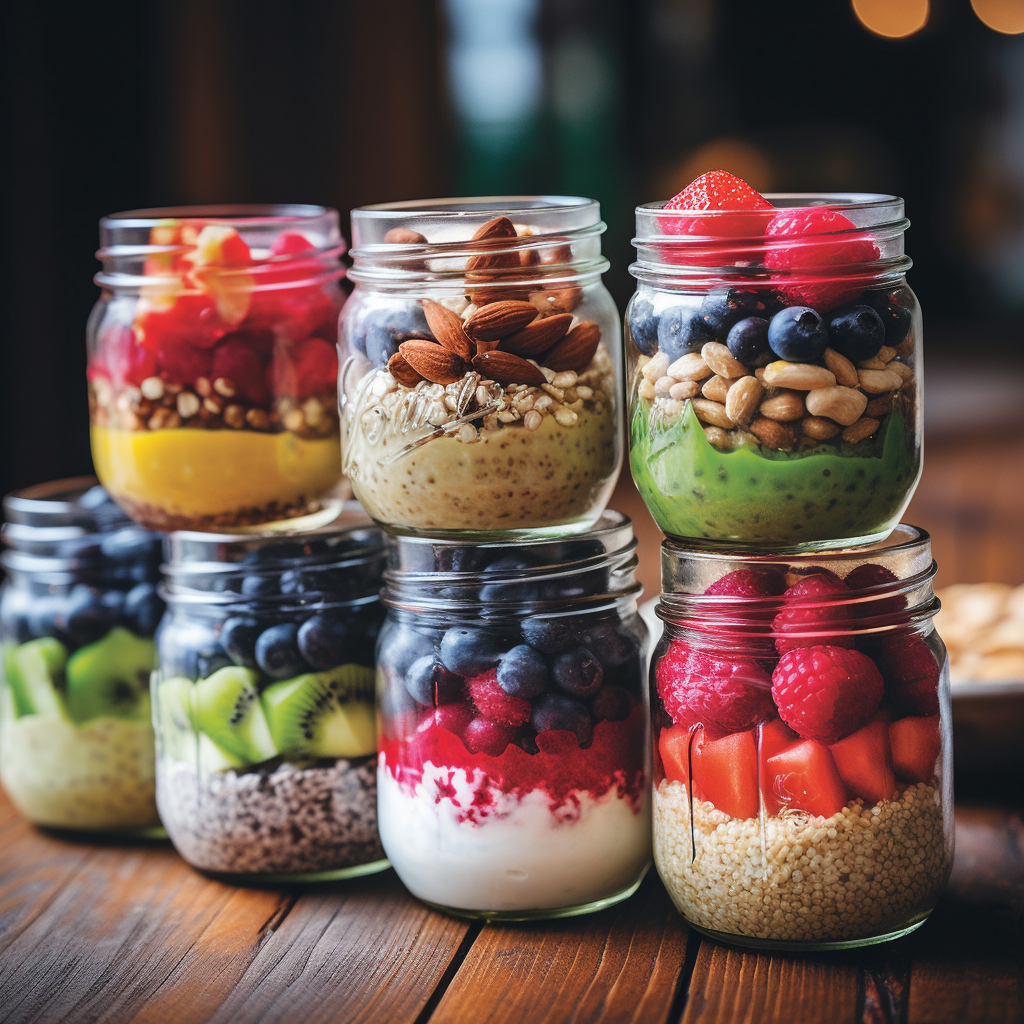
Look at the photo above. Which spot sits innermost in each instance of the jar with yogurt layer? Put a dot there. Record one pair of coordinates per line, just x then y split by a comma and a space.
77, 615
803, 764
513, 768
480, 373
263, 701
774, 371
213, 364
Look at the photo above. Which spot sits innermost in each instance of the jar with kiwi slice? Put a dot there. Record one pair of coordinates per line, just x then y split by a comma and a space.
264, 700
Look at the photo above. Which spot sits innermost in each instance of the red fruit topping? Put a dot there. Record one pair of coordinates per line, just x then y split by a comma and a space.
916, 745
494, 703
911, 675
816, 258
237, 362
674, 751
308, 368
222, 246
867, 577
183, 364
482, 736
125, 359
753, 583
864, 760
825, 693
723, 696
453, 717
292, 313
290, 242
810, 615
737, 617
190, 320
804, 777
725, 772
719, 190
775, 737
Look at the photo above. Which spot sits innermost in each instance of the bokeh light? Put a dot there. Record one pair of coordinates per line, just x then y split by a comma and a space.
1005, 16
894, 19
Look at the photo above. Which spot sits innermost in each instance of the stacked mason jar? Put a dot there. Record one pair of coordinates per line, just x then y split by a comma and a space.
800, 700
481, 424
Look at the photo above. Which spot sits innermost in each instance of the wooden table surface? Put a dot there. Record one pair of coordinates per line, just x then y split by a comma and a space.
121, 932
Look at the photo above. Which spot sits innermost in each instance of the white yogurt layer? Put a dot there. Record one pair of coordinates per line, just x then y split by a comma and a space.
515, 854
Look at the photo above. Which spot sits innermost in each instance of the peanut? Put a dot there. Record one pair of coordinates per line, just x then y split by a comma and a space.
874, 363
844, 405
858, 431
887, 353
845, 371
877, 382
656, 367
718, 437
712, 412
689, 367
802, 376
772, 434
742, 399
716, 388
721, 360
784, 407
903, 370
684, 389
818, 428
879, 407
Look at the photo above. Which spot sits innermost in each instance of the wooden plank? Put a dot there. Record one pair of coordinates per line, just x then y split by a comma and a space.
617, 966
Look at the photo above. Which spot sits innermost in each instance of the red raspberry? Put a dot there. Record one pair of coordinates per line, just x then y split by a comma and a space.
494, 703
240, 364
827, 692
911, 675
748, 585
308, 368
183, 364
288, 243
867, 577
482, 736
809, 607
816, 259
125, 359
719, 190
724, 696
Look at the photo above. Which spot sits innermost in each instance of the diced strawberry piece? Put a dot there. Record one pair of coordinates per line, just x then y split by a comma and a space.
804, 777
288, 243
813, 614
482, 736
189, 320
816, 260
911, 673
293, 313
453, 717
717, 191
308, 368
864, 760
725, 771
774, 737
674, 751
494, 703
916, 744
125, 360
234, 360
183, 364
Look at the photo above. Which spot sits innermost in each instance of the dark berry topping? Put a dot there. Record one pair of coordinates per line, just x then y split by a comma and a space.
797, 334
856, 331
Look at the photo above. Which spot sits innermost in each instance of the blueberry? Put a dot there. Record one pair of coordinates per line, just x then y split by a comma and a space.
238, 636
612, 647
575, 585
550, 636
895, 317
143, 609
260, 586
398, 646
643, 327
523, 672
611, 703
383, 330
748, 341
43, 615
557, 712
797, 334
468, 652
324, 639
724, 307
516, 589
205, 663
277, 651
95, 498
856, 331
430, 683
114, 600
292, 581
364, 629
84, 618
681, 330
131, 546
577, 672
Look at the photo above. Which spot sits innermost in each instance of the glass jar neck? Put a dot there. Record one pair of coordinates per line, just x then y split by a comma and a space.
455, 244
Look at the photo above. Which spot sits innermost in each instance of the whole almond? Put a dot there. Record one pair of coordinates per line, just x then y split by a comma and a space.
506, 368
558, 300
689, 367
537, 336
845, 371
879, 407
819, 428
433, 362
783, 407
404, 236
772, 434
486, 297
494, 230
399, 368
901, 370
716, 388
556, 254
742, 399
497, 319
844, 405
720, 359
863, 428
576, 349
712, 412
877, 382
801, 376
499, 227
448, 329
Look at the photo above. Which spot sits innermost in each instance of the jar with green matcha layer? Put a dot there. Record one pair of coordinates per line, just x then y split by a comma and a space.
774, 379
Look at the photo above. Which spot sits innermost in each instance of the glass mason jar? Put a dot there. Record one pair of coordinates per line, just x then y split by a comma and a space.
513, 777
480, 374
212, 364
803, 791
263, 701
77, 615
774, 379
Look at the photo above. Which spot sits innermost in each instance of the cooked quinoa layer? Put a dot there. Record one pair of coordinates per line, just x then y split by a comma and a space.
865, 871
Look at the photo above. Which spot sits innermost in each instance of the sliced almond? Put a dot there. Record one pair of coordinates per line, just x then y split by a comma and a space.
506, 368
497, 319
433, 362
576, 349
447, 328
399, 368
537, 336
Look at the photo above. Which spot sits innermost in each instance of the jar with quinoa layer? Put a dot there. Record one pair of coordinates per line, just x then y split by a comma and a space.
263, 701
77, 615
480, 371
803, 773
774, 365
513, 773
213, 364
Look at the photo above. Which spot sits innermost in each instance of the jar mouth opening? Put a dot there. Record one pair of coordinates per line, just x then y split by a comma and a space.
470, 207
245, 215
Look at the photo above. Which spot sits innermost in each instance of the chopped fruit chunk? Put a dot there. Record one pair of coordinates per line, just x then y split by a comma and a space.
288, 243
804, 778
188, 320
674, 751
717, 191
453, 717
916, 745
825, 693
911, 675
235, 361
725, 771
482, 736
775, 737
183, 364
494, 703
308, 368
222, 246
864, 760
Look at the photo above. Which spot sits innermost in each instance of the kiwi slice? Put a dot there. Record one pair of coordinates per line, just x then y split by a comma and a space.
228, 710
174, 719
111, 677
323, 714
213, 758
35, 676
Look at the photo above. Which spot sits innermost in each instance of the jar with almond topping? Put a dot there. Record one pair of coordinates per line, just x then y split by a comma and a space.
480, 366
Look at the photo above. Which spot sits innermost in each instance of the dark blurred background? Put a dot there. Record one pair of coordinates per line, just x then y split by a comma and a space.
125, 105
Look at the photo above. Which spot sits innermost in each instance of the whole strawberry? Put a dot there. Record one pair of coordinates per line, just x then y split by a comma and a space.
824, 693
719, 191
813, 615
911, 674
724, 696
